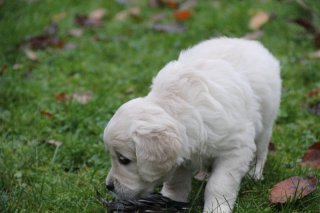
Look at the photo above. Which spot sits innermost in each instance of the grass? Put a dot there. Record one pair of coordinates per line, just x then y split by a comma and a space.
36, 176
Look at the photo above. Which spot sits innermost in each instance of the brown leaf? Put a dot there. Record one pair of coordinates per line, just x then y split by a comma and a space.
82, 97
306, 24
155, 3
61, 96
201, 176
255, 35
47, 39
31, 54
85, 21
314, 92
317, 40
312, 156
169, 28
54, 142
271, 147
171, 4
315, 55
182, 15
157, 17
47, 114
292, 189
3, 69
125, 14
258, 20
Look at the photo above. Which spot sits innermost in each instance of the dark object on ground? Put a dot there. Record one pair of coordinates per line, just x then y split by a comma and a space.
153, 203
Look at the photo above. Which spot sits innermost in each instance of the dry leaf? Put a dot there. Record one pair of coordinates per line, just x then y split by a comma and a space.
169, 28
82, 97
312, 156
157, 17
54, 142
171, 4
202, 176
188, 5
85, 21
271, 147
31, 54
155, 3
97, 14
315, 55
253, 35
292, 189
75, 32
17, 66
125, 14
47, 114
258, 20
182, 15
61, 96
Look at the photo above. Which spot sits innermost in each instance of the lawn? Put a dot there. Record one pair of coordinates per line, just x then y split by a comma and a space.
56, 97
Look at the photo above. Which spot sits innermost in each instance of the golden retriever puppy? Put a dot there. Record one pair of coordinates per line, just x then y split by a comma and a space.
212, 109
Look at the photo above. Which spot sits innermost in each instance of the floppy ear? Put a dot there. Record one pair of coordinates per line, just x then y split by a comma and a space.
157, 150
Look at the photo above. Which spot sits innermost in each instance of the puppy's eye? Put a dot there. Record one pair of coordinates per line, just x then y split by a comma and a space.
123, 160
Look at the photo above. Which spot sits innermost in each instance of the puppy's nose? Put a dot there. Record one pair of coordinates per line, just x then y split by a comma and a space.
110, 186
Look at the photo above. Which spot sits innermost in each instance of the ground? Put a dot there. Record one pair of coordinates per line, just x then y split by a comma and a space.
56, 100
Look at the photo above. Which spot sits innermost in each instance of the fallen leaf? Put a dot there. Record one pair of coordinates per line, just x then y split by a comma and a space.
306, 24
188, 5
97, 14
292, 189
59, 16
17, 66
255, 35
170, 28
157, 17
271, 147
75, 32
316, 91
312, 156
70, 46
171, 4
201, 176
125, 14
182, 15
314, 108
48, 38
315, 55
155, 3
3, 69
85, 21
61, 96
82, 97
54, 142
47, 114
258, 20
31, 54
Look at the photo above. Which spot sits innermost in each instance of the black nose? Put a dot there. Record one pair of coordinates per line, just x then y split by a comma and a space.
110, 186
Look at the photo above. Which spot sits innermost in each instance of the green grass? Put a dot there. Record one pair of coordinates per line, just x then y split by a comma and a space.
38, 177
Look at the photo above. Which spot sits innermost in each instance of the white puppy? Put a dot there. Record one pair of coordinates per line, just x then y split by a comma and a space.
212, 109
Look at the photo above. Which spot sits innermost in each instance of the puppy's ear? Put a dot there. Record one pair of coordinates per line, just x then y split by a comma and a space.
157, 150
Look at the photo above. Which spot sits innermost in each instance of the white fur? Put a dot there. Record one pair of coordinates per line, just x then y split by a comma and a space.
212, 109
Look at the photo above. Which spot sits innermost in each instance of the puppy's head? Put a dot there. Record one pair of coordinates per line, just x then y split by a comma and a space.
144, 144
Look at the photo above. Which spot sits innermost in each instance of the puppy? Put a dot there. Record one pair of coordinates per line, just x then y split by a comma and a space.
213, 108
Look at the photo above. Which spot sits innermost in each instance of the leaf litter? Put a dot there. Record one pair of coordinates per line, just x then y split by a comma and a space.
312, 156
292, 189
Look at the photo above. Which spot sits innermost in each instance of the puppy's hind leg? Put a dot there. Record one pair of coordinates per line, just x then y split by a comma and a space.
262, 143
179, 185
223, 184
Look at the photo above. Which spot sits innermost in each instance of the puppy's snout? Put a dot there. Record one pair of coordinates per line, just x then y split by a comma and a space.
110, 186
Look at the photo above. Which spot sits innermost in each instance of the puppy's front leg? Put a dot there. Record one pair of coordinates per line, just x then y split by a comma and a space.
223, 184
178, 186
